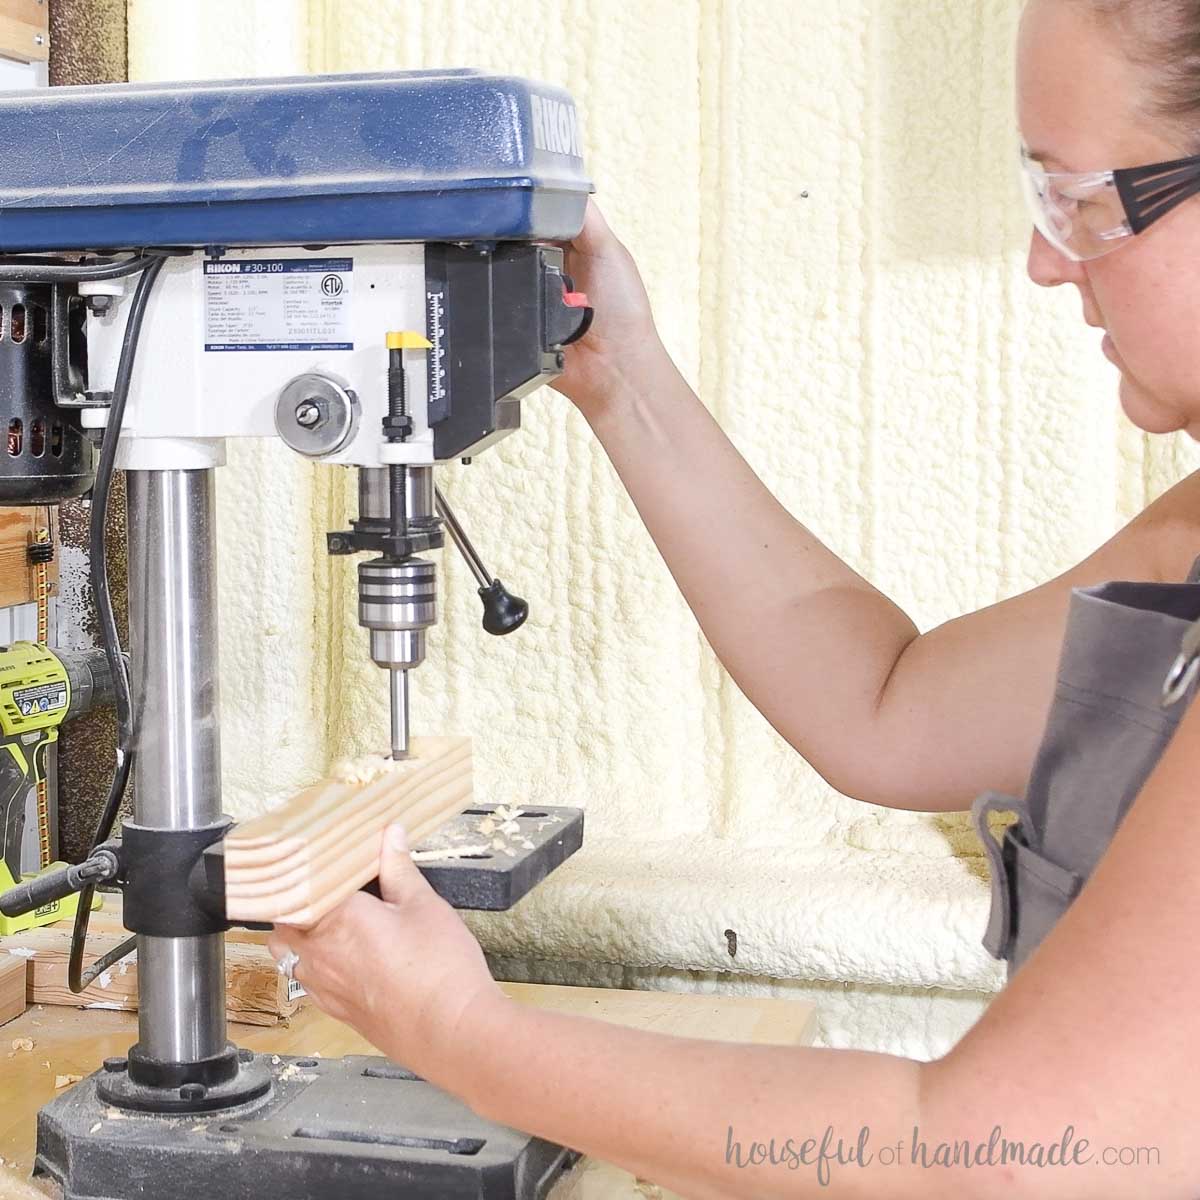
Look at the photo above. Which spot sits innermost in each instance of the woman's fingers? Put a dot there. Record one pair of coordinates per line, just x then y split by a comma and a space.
286, 939
400, 882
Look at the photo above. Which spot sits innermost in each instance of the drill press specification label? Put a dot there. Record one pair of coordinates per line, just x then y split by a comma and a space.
278, 304
43, 698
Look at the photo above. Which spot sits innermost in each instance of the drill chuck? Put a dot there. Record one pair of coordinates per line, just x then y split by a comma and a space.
397, 602
91, 680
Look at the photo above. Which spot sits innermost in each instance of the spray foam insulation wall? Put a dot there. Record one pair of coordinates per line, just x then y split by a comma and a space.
822, 199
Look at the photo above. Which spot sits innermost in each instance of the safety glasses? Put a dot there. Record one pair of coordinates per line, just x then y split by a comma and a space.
1093, 213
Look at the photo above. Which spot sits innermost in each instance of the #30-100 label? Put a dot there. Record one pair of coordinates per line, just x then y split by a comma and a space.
278, 304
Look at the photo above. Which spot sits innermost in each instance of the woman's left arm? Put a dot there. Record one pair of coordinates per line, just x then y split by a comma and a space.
1087, 1056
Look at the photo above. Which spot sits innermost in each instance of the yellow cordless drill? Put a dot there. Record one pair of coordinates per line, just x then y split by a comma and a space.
39, 690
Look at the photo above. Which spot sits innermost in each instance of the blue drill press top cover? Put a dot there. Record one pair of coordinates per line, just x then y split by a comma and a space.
414, 156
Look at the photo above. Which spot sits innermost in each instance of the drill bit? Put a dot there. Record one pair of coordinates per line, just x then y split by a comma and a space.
399, 701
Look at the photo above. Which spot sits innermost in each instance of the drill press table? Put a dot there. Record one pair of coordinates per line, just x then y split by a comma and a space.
74, 1041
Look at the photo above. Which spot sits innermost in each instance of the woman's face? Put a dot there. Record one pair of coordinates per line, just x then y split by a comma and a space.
1083, 106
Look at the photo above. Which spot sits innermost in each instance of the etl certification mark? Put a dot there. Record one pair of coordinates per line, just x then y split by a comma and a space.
331, 285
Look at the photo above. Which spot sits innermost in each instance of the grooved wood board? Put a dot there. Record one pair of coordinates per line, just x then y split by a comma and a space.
255, 991
298, 862
71, 1042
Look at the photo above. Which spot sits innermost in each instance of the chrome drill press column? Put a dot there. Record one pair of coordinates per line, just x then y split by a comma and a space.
177, 771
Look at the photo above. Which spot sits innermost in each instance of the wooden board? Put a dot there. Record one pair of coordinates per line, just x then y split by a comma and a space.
18, 578
682, 1014
70, 1042
297, 863
12, 988
25, 30
255, 991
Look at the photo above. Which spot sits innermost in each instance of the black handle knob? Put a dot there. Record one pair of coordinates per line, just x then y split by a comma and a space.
502, 611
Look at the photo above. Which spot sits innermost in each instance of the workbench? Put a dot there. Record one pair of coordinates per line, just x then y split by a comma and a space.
70, 1041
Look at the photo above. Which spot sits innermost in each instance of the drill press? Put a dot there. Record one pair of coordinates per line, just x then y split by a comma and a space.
362, 266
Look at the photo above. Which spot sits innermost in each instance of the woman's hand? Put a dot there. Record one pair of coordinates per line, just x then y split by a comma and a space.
622, 335
402, 971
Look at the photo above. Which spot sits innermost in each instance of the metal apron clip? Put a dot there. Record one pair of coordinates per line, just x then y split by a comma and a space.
1183, 670
997, 941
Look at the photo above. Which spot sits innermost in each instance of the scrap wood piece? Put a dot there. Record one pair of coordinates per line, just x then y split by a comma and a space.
295, 864
256, 994
12, 987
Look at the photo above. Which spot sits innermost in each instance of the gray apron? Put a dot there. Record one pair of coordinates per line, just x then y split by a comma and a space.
1113, 713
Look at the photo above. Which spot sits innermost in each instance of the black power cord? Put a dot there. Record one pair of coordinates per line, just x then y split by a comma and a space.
18, 270
150, 264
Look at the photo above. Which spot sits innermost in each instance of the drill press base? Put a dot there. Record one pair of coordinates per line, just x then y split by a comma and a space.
358, 1128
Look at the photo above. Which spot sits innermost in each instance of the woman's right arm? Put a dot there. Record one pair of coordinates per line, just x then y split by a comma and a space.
885, 713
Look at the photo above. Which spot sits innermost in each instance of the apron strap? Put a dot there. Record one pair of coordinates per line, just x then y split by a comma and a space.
998, 937
1194, 573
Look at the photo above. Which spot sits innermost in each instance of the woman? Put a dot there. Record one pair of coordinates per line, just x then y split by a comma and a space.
1089, 1053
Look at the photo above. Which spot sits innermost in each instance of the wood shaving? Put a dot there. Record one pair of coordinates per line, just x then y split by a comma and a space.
95, 1127
62, 1081
424, 856
22, 952
294, 1071
115, 1114
366, 769
19, 1044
